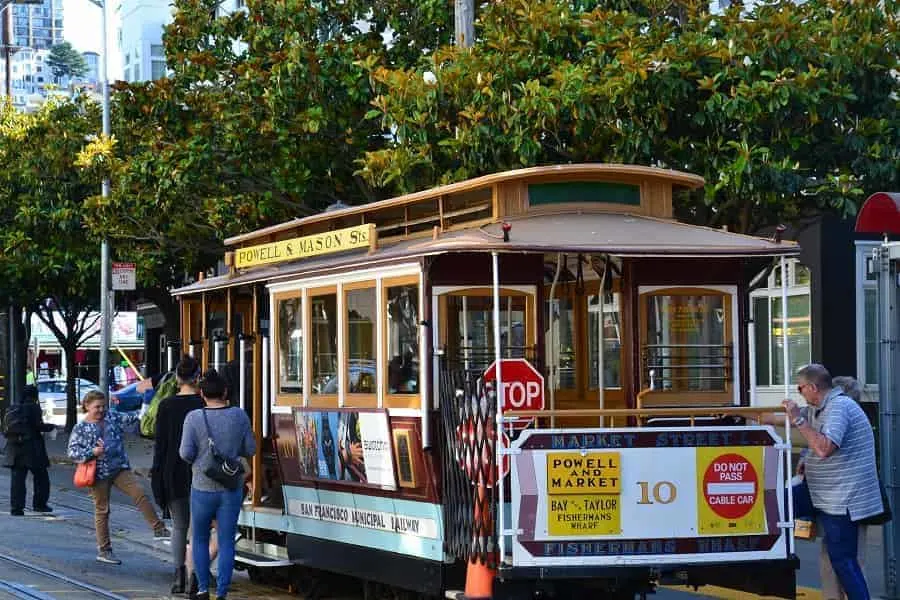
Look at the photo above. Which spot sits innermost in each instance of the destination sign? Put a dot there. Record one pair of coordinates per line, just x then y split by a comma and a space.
584, 515
588, 473
351, 238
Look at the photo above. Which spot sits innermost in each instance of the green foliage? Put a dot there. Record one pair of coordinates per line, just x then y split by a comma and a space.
66, 61
250, 133
49, 261
788, 110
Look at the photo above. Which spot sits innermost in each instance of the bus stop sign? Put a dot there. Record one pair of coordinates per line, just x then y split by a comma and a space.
521, 388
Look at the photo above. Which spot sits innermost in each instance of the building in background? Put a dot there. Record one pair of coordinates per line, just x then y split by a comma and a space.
38, 26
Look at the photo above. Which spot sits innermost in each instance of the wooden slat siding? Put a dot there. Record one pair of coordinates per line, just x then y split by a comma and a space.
512, 198
585, 172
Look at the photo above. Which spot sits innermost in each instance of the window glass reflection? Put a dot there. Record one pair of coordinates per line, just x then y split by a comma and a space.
290, 346
361, 341
323, 344
402, 333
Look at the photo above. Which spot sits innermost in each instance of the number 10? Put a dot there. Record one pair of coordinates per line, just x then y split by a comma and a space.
664, 492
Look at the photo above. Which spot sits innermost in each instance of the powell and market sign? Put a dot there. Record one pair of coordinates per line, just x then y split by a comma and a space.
351, 238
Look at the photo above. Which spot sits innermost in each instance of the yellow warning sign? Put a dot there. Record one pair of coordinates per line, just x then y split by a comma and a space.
598, 514
589, 473
730, 494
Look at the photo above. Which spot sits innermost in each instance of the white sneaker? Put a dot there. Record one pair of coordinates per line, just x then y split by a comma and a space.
107, 557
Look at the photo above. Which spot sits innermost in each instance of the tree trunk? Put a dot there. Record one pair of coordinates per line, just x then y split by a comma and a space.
72, 401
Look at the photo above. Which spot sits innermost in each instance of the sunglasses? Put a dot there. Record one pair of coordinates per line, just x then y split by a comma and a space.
801, 386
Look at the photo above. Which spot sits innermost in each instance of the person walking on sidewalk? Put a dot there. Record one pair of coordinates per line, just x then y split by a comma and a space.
170, 475
100, 436
26, 451
840, 471
228, 428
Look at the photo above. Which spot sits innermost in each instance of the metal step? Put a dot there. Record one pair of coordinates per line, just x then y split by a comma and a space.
261, 555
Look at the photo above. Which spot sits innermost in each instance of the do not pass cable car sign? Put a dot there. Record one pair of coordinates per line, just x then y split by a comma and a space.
521, 387
730, 496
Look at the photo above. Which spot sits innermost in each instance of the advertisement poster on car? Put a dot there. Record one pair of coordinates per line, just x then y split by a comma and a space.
345, 445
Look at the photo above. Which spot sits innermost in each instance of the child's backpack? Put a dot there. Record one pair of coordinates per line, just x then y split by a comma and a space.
168, 386
15, 424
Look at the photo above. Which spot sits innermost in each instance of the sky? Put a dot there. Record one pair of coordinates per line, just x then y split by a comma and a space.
81, 27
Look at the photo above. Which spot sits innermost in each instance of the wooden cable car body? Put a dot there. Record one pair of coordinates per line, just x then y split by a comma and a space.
357, 338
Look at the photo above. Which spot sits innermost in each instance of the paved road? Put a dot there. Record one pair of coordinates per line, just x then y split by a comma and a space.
66, 542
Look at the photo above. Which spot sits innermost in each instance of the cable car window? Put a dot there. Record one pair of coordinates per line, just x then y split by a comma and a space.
290, 346
361, 309
324, 344
470, 341
562, 337
603, 322
402, 339
686, 346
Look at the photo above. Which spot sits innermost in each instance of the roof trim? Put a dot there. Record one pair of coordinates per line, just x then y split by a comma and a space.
880, 214
679, 178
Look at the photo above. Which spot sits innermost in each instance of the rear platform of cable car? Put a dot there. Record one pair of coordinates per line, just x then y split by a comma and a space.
360, 340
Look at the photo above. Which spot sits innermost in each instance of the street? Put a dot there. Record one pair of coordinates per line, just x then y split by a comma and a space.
64, 543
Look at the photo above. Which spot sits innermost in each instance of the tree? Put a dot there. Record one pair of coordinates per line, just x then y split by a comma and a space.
50, 263
262, 120
66, 61
787, 110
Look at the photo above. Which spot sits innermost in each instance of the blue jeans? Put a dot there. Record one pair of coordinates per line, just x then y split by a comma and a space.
841, 538
224, 507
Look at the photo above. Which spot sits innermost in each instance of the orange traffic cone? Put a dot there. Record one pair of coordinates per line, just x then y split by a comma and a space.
479, 576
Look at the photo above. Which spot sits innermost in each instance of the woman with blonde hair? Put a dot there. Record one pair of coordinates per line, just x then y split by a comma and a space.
100, 437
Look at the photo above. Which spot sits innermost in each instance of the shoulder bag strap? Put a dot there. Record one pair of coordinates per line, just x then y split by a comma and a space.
212, 443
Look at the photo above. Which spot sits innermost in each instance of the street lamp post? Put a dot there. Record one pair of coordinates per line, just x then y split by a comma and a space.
105, 308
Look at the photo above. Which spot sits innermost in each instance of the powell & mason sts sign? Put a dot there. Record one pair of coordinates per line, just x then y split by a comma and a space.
351, 238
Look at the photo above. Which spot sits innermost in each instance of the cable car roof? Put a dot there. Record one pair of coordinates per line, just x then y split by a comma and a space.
619, 234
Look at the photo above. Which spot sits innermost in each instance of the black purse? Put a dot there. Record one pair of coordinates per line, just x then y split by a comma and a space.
227, 471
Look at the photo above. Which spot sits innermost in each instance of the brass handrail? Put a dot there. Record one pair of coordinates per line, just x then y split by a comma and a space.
651, 412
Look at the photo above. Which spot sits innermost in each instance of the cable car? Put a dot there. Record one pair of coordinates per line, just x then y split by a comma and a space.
534, 381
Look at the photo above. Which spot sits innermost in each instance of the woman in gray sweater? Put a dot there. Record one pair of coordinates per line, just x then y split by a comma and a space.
233, 437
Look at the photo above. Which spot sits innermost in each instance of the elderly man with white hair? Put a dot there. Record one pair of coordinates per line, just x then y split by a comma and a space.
840, 471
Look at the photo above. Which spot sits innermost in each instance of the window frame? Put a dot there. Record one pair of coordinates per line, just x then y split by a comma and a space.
731, 330
359, 400
388, 400
324, 400
282, 399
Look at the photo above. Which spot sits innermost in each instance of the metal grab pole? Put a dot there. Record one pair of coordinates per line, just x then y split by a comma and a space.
242, 377
888, 336
501, 525
787, 418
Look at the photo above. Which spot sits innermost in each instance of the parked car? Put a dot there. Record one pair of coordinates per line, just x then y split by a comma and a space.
52, 396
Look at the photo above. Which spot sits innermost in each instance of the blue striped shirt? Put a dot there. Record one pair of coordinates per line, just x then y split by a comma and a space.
846, 481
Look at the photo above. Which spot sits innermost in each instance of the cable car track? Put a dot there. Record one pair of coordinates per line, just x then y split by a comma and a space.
33, 591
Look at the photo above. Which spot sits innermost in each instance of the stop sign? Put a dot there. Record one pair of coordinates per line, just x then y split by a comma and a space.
521, 387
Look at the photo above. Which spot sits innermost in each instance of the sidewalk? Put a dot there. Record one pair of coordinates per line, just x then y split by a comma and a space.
139, 450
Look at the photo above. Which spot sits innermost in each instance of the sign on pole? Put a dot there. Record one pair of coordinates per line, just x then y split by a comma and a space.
522, 388
123, 277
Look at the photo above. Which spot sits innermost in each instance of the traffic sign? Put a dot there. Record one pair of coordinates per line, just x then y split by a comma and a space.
730, 486
522, 387
123, 277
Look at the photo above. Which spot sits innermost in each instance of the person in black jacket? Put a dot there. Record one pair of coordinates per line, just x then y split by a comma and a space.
26, 451
171, 476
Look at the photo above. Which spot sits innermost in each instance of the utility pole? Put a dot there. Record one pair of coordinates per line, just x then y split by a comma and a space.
14, 313
464, 23
105, 309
